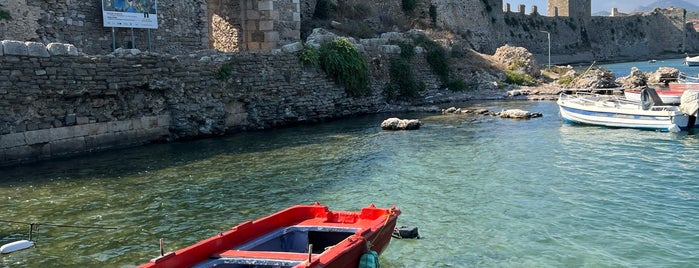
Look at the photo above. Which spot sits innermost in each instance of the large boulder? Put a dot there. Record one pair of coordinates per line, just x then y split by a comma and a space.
596, 78
517, 59
635, 79
400, 124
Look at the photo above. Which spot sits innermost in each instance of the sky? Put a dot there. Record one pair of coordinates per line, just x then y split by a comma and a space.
625, 6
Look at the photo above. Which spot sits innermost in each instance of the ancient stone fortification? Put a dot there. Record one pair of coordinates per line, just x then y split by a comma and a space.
249, 25
183, 25
55, 101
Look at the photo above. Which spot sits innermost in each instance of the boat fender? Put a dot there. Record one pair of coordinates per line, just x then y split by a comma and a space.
646, 100
15, 246
674, 128
405, 232
369, 260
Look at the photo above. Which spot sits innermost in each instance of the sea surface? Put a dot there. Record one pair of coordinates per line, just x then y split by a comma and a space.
483, 192
624, 68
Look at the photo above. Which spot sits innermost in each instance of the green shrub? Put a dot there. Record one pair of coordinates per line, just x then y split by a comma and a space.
324, 9
566, 80
341, 61
408, 5
436, 56
224, 72
519, 79
402, 77
457, 85
433, 14
407, 50
5, 15
309, 56
437, 59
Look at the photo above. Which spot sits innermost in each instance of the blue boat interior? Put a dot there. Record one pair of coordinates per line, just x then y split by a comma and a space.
292, 239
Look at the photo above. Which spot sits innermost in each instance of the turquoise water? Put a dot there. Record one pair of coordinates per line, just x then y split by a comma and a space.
483, 191
624, 68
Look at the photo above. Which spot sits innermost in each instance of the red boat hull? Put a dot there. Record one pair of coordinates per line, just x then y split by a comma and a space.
681, 87
371, 228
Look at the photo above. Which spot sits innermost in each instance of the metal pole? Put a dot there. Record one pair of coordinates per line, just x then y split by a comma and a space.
113, 40
133, 39
548, 36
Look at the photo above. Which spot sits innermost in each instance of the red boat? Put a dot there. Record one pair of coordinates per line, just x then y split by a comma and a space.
669, 96
299, 236
684, 82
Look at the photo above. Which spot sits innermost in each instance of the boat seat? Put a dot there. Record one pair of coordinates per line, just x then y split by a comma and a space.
268, 255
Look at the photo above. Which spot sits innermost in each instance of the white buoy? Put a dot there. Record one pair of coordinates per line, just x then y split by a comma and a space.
15, 246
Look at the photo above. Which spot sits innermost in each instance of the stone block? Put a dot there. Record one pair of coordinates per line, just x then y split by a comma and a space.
265, 5
57, 49
271, 37
12, 140
266, 25
164, 120
149, 122
70, 119
293, 47
1, 49
390, 49
96, 128
37, 136
62, 133
69, 146
118, 126
11, 47
80, 120
36, 49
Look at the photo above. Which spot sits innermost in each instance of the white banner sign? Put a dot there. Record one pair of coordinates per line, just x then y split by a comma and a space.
130, 13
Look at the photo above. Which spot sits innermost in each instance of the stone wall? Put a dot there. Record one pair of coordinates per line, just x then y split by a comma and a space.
637, 37
183, 25
55, 101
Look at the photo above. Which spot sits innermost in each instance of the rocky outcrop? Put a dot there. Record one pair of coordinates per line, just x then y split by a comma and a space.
517, 59
518, 114
595, 78
507, 113
400, 124
636, 78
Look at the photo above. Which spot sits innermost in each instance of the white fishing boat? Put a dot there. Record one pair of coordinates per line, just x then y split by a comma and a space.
692, 61
613, 111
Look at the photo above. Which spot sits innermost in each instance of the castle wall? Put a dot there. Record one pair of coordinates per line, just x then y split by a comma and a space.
56, 101
184, 25
569, 8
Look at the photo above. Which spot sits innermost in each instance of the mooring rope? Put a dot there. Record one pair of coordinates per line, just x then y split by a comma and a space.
59, 225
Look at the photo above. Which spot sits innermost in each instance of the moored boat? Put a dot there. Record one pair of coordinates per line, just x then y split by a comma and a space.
684, 82
692, 61
612, 111
299, 236
671, 96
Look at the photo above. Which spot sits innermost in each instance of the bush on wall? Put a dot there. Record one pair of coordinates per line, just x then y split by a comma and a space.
343, 62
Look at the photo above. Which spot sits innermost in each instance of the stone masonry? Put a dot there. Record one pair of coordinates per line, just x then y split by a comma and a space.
55, 101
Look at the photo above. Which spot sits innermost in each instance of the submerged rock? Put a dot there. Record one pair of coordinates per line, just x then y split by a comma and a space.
518, 114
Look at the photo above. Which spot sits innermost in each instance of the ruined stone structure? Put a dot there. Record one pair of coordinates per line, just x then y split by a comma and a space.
55, 101
579, 9
184, 25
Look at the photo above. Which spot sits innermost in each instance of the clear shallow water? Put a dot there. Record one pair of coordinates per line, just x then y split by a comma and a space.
484, 192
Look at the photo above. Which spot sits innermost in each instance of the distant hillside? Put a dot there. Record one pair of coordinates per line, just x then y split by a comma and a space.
669, 3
